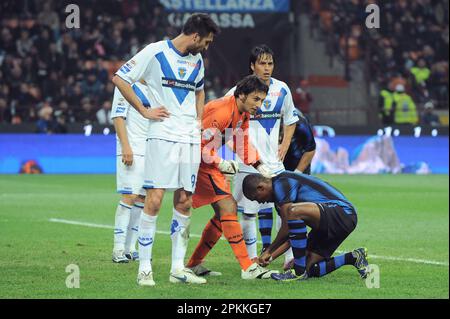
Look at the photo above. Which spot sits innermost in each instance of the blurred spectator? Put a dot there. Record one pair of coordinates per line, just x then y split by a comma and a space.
428, 117
59, 125
302, 98
385, 105
421, 73
5, 113
104, 114
413, 40
44, 123
49, 18
405, 111
87, 114
91, 86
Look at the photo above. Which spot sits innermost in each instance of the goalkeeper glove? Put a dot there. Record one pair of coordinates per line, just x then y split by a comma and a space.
230, 167
265, 171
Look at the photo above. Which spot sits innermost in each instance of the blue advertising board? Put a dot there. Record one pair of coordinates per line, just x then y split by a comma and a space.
95, 154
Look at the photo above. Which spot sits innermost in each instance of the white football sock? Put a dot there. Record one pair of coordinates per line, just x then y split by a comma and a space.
288, 255
133, 227
121, 226
179, 233
147, 230
248, 223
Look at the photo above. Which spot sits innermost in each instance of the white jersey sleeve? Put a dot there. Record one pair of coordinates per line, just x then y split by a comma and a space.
289, 110
136, 125
138, 66
120, 106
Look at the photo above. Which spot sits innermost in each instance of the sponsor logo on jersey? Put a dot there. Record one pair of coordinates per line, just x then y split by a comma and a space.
190, 64
262, 116
120, 110
174, 83
127, 66
182, 72
275, 94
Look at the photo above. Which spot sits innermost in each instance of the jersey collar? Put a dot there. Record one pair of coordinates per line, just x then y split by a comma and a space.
170, 44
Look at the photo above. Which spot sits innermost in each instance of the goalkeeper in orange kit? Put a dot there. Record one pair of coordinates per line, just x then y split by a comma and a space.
232, 113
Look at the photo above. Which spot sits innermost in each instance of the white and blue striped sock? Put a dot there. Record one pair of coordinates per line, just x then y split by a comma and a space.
179, 233
133, 227
248, 224
121, 226
147, 230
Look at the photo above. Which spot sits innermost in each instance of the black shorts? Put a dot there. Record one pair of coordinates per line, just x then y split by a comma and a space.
335, 226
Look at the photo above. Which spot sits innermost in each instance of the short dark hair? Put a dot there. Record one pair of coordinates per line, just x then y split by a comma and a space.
257, 52
249, 84
202, 24
250, 183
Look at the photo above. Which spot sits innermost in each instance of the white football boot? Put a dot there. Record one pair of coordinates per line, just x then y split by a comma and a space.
186, 276
145, 279
255, 271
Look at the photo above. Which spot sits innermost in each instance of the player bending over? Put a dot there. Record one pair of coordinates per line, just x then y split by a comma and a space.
298, 159
302, 201
232, 112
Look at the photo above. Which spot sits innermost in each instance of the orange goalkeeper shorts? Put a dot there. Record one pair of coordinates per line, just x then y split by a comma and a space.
211, 187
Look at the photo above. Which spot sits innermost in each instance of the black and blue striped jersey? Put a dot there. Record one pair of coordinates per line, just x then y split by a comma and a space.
302, 142
290, 187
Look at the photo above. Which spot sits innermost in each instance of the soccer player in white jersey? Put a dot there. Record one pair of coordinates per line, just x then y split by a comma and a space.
264, 134
173, 71
131, 133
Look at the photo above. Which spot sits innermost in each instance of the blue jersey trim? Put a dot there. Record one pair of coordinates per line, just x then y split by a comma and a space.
169, 42
141, 95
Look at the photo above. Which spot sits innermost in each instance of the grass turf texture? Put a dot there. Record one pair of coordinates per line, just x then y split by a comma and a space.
399, 216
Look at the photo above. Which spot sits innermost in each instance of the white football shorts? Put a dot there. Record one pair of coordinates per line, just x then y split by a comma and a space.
171, 165
130, 178
245, 205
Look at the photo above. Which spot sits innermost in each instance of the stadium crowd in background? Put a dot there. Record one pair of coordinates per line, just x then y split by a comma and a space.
410, 47
51, 75
43, 62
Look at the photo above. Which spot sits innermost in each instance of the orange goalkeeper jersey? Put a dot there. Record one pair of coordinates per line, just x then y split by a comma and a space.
223, 123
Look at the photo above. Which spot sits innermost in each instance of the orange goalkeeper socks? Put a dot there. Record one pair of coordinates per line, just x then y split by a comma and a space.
232, 231
211, 234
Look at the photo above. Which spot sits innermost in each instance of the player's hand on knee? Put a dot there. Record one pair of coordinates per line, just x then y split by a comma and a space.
157, 114
229, 167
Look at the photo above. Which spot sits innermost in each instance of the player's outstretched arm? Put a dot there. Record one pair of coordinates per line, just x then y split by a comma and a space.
282, 236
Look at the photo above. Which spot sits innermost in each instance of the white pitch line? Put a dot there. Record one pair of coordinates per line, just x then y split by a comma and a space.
412, 260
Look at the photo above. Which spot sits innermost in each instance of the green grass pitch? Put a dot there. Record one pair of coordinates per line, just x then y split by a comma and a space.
403, 221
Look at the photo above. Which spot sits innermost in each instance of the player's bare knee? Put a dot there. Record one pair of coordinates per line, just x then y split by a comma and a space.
129, 199
153, 204
183, 202
140, 199
228, 206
